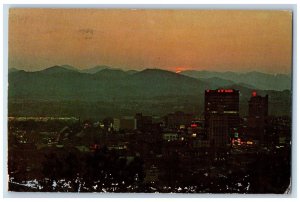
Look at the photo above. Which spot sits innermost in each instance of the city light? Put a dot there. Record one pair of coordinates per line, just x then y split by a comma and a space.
194, 125
221, 91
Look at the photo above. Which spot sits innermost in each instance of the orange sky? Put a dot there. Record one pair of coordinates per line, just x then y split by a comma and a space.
216, 40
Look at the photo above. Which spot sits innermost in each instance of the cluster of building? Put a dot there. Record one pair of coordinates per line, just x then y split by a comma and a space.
221, 127
191, 143
225, 127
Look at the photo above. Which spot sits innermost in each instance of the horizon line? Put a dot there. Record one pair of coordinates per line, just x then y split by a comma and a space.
158, 68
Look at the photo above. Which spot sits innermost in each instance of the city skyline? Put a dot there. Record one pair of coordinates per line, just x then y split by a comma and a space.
162, 129
179, 152
175, 40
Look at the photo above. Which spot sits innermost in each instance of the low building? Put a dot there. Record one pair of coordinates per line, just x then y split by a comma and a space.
128, 123
152, 175
143, 122
170, 136
116, 124
177, 119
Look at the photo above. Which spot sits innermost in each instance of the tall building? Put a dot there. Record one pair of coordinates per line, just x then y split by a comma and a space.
218, 130
258, 113
222, 101
258, 105
221, 116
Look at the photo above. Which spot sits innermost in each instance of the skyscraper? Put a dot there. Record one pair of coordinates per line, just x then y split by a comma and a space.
221, 115
218, 130
222, 101
258, 112
258, 106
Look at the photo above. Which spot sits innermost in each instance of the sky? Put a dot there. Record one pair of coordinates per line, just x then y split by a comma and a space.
176, 40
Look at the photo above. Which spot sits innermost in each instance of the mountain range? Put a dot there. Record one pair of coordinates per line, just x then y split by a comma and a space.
253, 79
103, 91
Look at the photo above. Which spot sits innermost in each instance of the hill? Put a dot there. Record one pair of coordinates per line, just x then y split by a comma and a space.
95, 69
57, 91
10, 70
258, 80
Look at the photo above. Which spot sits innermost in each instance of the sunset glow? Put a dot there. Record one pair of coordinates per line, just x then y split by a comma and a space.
180, 69
217, 40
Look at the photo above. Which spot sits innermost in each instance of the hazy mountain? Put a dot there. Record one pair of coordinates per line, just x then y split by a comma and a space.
217, 82
256, 79
132, 71
10, 70
157, 82
247, 85
159, 75
59, 91
110, 74
70, 67
95, 69
56, 70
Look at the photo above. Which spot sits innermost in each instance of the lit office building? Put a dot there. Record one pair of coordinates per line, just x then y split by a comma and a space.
221, 115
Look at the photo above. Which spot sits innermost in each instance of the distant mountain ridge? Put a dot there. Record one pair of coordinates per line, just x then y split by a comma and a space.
255, 79
121, 92
95, 69
69, 67
56, 69
10, 70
